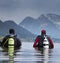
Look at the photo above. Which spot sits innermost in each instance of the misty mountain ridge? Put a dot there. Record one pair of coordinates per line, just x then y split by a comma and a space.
43, 22
29, 28
20, 31
54, 18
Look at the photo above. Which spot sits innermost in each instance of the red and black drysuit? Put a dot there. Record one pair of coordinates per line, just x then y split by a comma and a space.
39, 42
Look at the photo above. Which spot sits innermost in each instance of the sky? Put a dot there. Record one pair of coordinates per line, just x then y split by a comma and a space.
17, 10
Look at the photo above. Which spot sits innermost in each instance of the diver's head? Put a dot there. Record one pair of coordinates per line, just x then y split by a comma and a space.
43, 32
11, 31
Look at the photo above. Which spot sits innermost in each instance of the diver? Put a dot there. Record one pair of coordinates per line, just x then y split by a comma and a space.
39, 41
17, 42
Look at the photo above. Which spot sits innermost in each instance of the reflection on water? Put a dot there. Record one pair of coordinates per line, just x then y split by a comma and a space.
44, 55
46, 52
11, 54
28, 54
11, 51
11, 61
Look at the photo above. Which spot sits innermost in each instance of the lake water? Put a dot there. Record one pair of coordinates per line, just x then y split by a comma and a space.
28, 54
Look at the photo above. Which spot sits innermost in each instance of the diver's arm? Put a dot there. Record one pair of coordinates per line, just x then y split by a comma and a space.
35, 43
51, 42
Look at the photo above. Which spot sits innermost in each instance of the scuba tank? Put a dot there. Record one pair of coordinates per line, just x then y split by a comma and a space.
11, 47
11, 40
45, 42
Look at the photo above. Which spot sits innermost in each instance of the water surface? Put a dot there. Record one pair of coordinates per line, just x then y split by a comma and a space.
28, 54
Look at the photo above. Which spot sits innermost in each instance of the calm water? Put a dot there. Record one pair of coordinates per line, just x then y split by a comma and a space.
27, 54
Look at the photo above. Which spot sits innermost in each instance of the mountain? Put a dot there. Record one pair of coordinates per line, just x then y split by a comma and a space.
54, 18
28, 24
2, 27
43, 22
20, 31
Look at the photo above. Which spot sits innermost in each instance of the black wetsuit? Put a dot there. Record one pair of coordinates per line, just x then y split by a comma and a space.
17, 42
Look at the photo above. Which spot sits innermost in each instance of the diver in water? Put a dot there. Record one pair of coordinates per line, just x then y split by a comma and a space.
17, 42
39, 41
